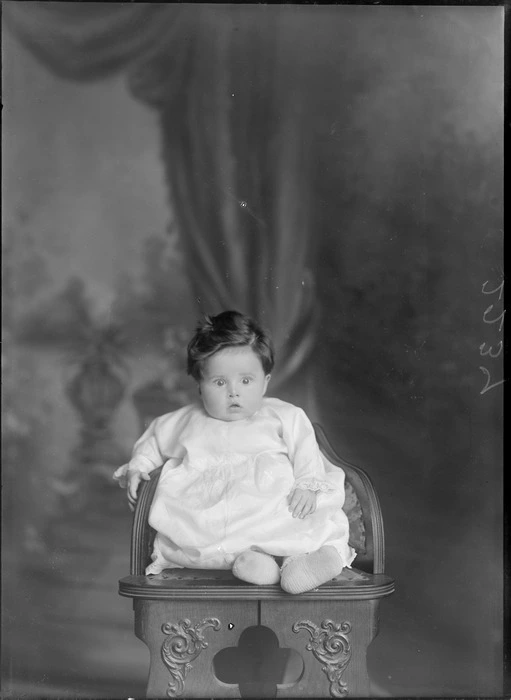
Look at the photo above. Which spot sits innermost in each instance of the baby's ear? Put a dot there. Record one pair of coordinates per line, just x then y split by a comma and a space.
266, 382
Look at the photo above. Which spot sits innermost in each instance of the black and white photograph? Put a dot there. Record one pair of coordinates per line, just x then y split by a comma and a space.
252, 346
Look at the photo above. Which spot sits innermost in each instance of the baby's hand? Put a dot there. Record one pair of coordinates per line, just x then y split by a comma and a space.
302, 502
134, 479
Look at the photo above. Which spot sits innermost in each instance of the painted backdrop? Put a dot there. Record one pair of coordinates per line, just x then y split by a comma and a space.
403, 369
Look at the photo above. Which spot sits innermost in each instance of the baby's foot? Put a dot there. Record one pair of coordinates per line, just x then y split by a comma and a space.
308, 571
256, 567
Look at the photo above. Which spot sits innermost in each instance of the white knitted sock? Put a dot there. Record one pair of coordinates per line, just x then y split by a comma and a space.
256, 567
308, 571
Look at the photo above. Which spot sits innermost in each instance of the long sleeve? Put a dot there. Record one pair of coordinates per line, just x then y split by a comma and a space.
147, 452
145, 457
304, 453
156, 445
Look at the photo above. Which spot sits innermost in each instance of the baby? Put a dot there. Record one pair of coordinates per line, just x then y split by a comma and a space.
243, 485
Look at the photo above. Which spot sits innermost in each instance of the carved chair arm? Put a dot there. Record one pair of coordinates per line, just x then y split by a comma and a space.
373, 560
142, 533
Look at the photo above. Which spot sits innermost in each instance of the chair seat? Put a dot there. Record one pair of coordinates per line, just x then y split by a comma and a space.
174, 584
190, 618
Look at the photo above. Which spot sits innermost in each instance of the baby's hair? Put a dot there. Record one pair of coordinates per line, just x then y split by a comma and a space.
226, 330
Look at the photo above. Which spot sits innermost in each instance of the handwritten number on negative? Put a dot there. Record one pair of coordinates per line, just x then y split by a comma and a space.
498, 289
494, 320
489, 386
489, 351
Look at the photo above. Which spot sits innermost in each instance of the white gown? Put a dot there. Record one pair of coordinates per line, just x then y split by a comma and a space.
224, 487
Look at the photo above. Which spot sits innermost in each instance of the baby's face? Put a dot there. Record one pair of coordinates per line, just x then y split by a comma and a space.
233, 384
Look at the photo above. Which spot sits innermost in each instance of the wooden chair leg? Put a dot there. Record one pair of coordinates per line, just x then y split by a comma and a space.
183, 638
332, 639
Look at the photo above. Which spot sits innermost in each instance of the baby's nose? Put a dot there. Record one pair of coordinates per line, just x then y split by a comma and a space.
233, 391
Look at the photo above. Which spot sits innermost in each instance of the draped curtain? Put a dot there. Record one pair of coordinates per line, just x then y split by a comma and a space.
233, 86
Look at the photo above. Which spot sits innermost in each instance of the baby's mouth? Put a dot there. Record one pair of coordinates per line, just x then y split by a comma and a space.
234, 405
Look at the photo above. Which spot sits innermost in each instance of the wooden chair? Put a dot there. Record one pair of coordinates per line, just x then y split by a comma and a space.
188, 617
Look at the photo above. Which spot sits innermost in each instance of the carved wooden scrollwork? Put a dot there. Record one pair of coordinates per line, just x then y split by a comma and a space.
183, 645
331, 647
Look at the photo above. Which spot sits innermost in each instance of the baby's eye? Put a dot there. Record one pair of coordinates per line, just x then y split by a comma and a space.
219, 382
246, 380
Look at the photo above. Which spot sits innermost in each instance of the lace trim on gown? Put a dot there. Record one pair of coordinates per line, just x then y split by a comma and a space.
314, 485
